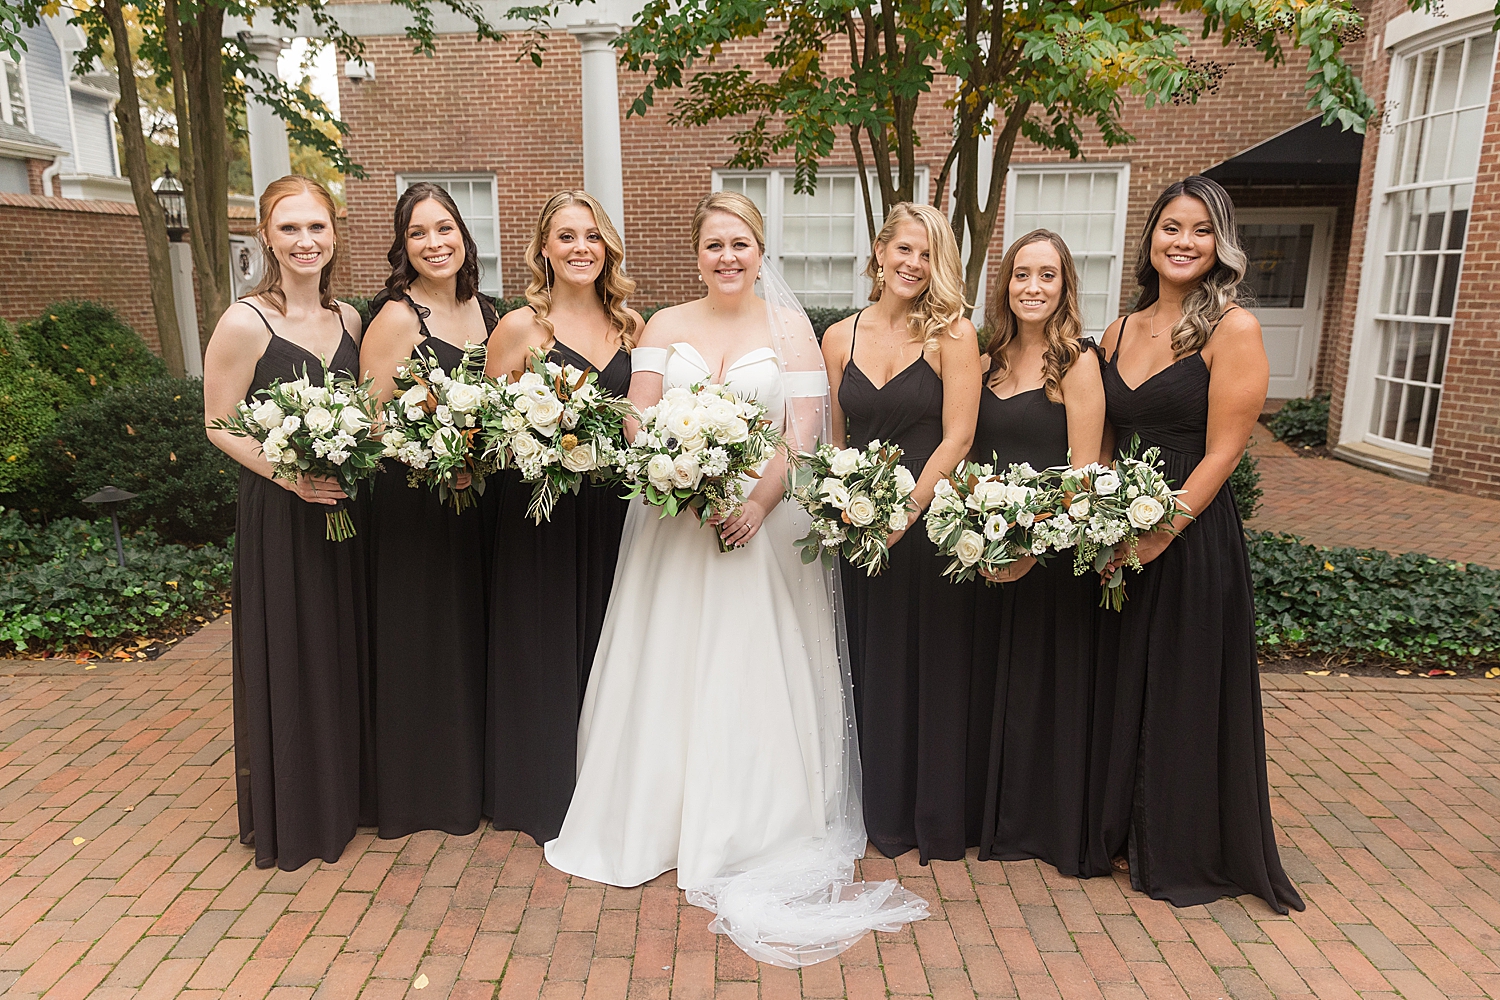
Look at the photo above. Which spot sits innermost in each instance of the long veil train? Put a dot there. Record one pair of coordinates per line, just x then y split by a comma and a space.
801, 905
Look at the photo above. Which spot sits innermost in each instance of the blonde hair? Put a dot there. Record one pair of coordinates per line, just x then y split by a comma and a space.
270, 282
732, 203
941, 304
1216, 291
613, 286
1063, 329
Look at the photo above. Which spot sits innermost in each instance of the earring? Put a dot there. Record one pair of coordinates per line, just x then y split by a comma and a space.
880, 273
547, 266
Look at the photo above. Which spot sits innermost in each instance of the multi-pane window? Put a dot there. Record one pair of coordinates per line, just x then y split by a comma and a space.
474, 194
1087, 207
1437, 120
13, 93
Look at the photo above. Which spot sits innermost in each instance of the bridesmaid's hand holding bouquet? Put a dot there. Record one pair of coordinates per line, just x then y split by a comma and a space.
856, 499
316, 430
434, 422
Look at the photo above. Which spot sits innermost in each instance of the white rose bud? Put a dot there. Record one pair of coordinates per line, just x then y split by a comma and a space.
898, 519
861, 510
969, 548
659, 471
845, 461
580, 458
905, 482
1145, 512
1080, 505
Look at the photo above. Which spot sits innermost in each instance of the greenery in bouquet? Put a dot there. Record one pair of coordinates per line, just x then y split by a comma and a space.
317, 430
1112, 506
558, 428
987, 520
434, 424
694, 450
856, 499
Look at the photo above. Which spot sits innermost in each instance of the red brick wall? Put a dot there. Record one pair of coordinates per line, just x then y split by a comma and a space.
34, 169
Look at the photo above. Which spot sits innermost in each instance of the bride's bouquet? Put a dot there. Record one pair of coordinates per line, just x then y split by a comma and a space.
856, 499
557, 427
694, 449
433, 425
1110, 506
986, 520
320, 430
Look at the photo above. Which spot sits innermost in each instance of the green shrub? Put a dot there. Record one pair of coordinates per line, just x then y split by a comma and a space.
30, 397
823, 317
89, 347
1367, 604
361, 305
60, 588
1301, 421
1245, 482
147, 439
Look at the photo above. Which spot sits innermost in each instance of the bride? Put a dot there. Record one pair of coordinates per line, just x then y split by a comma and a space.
716, 735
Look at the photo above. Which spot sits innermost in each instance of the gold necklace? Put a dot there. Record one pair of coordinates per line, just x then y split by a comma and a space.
1154, 331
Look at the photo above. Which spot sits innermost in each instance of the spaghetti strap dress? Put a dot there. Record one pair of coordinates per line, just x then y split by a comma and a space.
300, 651
1186, 782
429, 639
1034, 649
549, 588
910, 641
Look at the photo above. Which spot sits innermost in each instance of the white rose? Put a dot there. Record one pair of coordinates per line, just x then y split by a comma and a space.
414, 397
659, 471
943, 488
1145, 512
969, 548
291, 425
686, 472
512, 422
736, 431
545, 413
1080, 505
525, 447
683, 422
314, 395
1106, 483
448, 443
835, 493
845, 461
988, 493
676, 394
861, 510
585, 394
995, 527
443, 414
898, 519
464, 397
580, 458
318, 420
267, 414
530, 380
352, 420
905, 481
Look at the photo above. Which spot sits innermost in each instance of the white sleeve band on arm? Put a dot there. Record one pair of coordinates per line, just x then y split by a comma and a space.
649, 359
805, 383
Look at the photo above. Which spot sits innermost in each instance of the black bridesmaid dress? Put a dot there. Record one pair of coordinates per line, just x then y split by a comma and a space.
428, 604
1034, 656
301, 654
1186, 784
549, 588
910, 640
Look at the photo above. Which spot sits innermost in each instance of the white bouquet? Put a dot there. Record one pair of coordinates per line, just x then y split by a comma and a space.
856, 499
321, 430
434, 424
986, 521
694, 450
558, 427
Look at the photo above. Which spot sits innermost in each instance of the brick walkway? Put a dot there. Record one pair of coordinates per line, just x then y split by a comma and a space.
120, 876
1329, 502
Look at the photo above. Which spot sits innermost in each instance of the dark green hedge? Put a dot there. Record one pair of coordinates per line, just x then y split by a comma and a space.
30, 398
1301, 421
90, 348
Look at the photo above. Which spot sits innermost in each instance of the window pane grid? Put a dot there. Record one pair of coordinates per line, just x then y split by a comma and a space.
475, 199
1082, 206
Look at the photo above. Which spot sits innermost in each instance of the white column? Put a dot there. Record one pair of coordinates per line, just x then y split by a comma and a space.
187, 308
603, 171
270, 155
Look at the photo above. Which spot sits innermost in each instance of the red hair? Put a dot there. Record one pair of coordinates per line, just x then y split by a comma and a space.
270, 282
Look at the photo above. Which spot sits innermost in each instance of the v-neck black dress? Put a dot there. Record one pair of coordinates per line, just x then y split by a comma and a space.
1187, 763
429, 642
300, 652
910, 641
549, 589
1035, 658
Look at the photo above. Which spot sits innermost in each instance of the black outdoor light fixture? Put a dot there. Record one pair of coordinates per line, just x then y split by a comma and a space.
173, 204
112, 495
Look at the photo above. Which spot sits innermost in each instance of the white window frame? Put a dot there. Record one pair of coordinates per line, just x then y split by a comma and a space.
19, 66
1365, 349
775, 178
404, 181
1122, 206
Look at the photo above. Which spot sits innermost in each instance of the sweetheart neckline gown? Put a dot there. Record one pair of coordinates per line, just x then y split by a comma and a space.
1186, 770
300, 653
549, 588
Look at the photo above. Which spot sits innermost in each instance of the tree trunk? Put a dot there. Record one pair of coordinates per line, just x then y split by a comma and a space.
982, 223
153, 225
203, 68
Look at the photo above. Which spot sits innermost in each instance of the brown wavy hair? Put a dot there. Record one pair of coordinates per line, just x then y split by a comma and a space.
1063, 329
270, 281
613, 286
403, 273
941, 303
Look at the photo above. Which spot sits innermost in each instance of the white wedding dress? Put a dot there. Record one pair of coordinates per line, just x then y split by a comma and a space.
716, 735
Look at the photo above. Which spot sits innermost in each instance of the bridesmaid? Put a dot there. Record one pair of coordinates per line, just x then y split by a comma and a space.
1187, 372
551, 581
906, 370
300, 656
428, 573
1043, 404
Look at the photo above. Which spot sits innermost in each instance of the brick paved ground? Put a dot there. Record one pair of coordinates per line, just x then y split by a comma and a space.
1329, 502
120, 876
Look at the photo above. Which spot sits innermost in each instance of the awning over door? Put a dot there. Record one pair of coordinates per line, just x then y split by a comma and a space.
1310, 153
